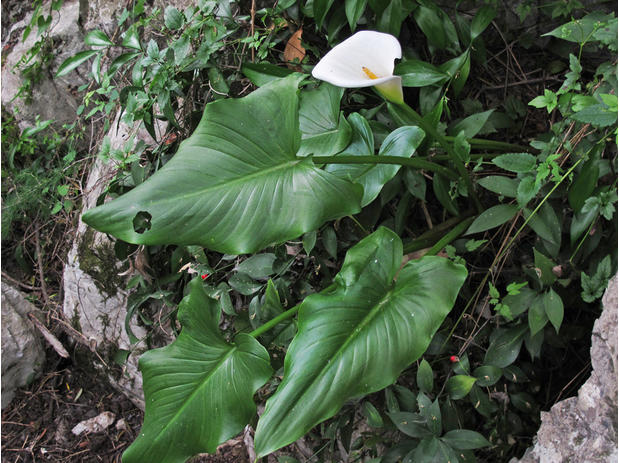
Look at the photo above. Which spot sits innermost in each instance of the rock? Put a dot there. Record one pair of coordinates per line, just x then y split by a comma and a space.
97, 424
22, 351
584, 428
55, 99
95, 301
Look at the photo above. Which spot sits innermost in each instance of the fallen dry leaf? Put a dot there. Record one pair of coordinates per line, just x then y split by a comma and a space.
294, 51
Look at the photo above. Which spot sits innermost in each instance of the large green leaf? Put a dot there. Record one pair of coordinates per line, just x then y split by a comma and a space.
198, 390
323, 130
357, 336
235, 185
402, 142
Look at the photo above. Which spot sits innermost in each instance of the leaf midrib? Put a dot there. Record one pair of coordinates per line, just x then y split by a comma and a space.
205, 380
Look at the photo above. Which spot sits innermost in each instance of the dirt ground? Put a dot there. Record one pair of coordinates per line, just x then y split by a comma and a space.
37, 424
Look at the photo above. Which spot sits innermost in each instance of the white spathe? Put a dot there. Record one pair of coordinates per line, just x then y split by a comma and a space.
365, 59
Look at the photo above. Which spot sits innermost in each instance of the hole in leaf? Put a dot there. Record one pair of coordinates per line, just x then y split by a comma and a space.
141, 222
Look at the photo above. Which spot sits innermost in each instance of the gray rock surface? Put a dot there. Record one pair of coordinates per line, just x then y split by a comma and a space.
22, 350
94, 297
584, 428
55, 99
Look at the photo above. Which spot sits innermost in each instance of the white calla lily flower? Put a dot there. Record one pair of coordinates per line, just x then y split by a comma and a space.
365, 59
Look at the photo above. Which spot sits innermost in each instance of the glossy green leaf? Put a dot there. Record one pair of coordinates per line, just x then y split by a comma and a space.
373, 416
437, 27
553, 306
258, 266
198, 390
459, 386
426, 452
425, 377
597, 115
392, 17
74, 61
544, 267
487, 375
482, 20
354, 10
431, 411
357, 336
324, 131
465, 439
500, 185
235, 186
320, 9
440, 186
581, 222
516, 162
415, 183
537, 315
471, 125
505, 346
121, 60
131, 39
262, 73
97, 38
402, 142
416, 73
411, 424
492, 218
583, 184
546, 225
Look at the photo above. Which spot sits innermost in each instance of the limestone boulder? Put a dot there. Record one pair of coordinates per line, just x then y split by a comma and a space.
23, 355
50, 98
584, 428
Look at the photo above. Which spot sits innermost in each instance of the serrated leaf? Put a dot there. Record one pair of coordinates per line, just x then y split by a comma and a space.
527, 189
597, 115
459, 386
234, 186
465, 439
357, 336
324, 131
131, 39
71, 63
97, 38
492, 218
199, 390
516, 162
173, 18
425, 377
505, 347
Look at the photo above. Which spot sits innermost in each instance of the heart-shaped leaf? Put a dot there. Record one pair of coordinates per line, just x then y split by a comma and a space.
198, 390
235, 186
357, 336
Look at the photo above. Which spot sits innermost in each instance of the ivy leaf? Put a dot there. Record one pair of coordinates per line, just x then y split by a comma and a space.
235, 186
358, 335
198, 390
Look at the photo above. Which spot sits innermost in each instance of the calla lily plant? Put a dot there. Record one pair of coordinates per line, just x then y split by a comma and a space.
365, 59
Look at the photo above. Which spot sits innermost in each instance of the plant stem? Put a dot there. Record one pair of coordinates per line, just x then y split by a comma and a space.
449, 237
275, 321
430, 237
493, 144
410, 162
432, 132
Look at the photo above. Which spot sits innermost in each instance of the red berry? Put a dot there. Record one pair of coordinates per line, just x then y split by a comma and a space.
205, 276
454, 359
